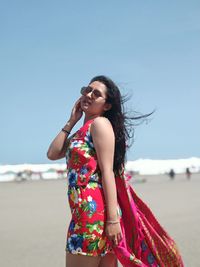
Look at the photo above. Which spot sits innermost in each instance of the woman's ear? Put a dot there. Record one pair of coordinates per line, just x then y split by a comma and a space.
107, 106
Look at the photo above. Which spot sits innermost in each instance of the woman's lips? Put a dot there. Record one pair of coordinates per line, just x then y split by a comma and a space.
85, 102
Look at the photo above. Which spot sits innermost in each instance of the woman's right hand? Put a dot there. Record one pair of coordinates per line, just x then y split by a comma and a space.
77, 112
57, 148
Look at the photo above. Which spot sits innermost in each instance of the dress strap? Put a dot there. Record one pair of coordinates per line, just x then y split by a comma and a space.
87, 125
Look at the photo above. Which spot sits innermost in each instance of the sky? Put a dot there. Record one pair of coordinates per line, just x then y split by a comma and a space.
49, 49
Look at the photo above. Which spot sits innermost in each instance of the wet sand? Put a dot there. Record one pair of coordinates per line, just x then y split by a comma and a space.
34, 216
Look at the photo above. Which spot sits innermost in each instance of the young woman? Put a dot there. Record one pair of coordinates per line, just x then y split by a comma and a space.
109, 221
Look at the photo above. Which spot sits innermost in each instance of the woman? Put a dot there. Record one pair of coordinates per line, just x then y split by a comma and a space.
98, 233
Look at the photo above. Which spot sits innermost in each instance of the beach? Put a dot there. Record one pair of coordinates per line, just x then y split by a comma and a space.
35, 216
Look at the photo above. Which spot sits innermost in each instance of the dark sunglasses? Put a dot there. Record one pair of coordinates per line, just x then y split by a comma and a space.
88, 89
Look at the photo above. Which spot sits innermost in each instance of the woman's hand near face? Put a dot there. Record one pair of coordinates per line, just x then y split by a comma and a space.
57, 148
77, 112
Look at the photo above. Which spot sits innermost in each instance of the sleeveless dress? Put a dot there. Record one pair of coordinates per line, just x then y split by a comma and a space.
86, 235
145, 243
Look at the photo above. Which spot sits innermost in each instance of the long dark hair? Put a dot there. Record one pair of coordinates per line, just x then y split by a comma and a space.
123, 125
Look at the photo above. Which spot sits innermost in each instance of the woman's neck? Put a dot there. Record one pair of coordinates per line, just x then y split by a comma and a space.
90, 117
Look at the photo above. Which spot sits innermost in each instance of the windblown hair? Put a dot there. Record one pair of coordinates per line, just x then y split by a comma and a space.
123, 126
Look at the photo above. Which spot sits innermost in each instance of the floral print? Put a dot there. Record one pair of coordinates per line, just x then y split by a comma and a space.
86, 234
72, 177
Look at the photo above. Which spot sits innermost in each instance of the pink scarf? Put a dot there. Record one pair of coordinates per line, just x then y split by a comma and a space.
145, 242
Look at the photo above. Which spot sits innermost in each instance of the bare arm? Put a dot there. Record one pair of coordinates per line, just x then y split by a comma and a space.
104, 142
58, 147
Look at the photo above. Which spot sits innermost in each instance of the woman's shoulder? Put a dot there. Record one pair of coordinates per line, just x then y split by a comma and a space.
101, 125
101, 122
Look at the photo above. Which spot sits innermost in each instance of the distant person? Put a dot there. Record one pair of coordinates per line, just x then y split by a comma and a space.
188, 173
19, 176
172, 174
106, 223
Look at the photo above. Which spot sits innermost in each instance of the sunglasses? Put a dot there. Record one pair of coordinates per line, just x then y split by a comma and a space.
94, 92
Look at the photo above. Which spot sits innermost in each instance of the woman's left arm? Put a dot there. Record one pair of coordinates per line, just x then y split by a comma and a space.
104, 143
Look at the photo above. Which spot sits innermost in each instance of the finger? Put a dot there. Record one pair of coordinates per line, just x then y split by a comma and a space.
78, 101
78, 105
119, 237
79, 98
115, 241
110, 240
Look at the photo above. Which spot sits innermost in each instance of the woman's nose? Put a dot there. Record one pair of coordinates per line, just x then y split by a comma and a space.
90, 94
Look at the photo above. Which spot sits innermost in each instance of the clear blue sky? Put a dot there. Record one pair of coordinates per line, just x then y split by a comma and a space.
49, 49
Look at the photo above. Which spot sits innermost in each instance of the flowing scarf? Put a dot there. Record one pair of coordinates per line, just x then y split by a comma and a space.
145, 242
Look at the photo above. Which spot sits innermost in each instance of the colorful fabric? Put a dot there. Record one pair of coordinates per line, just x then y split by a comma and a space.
145, 242
86, 235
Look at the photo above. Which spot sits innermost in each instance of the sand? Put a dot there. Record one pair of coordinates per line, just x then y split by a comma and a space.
34, 216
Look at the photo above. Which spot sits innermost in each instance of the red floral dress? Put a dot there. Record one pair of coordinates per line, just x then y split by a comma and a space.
86, 235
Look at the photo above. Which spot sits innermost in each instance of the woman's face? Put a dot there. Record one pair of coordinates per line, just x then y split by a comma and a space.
93, 100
